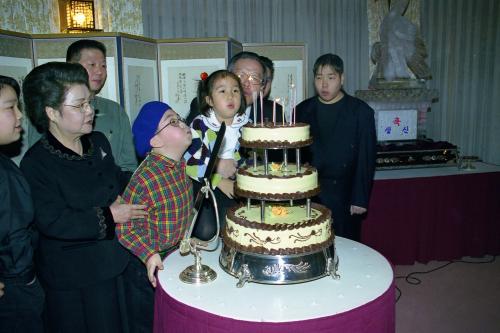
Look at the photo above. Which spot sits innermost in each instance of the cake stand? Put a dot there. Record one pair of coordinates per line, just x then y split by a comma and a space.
279, 269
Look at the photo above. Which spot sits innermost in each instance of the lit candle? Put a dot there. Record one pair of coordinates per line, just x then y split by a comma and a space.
261, 108
254, 96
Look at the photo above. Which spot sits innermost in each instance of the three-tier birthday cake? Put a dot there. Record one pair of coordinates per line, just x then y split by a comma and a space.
278, 236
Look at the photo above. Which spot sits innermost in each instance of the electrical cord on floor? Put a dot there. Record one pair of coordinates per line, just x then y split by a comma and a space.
411, 279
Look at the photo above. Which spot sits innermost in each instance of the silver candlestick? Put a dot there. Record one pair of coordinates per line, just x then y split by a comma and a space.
198, 273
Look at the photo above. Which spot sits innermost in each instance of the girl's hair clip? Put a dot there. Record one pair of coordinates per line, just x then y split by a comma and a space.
203, 76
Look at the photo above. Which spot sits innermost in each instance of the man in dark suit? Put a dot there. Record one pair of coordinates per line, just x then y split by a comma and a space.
344, 147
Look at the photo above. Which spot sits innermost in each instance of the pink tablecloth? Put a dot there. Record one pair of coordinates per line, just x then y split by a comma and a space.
434, 218
377, 316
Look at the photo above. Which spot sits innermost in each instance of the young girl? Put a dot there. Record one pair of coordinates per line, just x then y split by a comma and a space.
220, 100
21, 296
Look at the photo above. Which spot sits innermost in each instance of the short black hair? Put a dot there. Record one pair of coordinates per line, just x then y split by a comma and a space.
74, 50
245, 55
47, 85
329, 59
268, 63
11, 82
206, 86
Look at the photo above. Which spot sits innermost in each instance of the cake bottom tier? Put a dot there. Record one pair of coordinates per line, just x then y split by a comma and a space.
285, 230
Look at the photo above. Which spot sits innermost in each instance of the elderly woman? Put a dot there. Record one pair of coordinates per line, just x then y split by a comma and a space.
75, 187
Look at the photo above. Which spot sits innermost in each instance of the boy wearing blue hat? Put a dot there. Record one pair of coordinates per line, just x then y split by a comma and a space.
161, 137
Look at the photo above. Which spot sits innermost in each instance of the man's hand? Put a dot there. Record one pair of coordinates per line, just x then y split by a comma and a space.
154, 262
357, 210
1, 289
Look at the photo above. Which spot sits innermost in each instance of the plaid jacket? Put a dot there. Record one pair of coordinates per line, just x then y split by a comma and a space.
163, 186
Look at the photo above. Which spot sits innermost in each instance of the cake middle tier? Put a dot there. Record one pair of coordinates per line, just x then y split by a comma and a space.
278, 184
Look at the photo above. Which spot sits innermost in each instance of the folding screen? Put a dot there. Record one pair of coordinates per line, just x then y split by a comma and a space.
181, 63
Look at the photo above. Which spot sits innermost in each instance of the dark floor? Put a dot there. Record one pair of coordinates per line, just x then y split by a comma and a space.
461, 297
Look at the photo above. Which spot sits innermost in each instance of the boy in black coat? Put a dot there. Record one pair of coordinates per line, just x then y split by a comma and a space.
344, 147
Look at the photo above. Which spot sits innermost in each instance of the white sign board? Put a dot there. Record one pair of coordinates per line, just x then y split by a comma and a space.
396, 125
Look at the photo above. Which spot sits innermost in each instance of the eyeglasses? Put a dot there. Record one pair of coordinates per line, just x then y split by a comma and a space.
253, 78
82, 107
176, 122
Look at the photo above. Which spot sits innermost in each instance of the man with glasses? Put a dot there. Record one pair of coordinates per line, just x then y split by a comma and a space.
110, 118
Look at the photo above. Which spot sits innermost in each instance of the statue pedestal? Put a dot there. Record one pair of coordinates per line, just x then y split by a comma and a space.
400, 120
395, 100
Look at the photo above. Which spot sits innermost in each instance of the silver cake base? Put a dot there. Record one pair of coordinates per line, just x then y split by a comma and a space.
269, 269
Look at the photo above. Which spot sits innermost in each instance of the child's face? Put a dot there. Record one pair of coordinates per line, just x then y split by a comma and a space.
173, 132
328, 84
10, 116
225, 98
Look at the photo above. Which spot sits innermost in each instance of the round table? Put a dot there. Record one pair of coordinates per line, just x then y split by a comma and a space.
362, 300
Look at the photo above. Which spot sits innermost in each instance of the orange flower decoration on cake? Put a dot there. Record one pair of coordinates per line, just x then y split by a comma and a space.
279, 211
275, 167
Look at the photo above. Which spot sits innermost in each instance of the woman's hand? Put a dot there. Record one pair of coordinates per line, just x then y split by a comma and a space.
226, 168
125, 212
227, 187
154, 262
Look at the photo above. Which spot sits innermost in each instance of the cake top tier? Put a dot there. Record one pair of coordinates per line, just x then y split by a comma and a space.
271, 136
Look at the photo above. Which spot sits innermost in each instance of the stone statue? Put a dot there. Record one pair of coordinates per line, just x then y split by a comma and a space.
400, 48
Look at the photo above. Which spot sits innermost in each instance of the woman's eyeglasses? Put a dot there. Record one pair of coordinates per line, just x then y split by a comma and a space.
82, 107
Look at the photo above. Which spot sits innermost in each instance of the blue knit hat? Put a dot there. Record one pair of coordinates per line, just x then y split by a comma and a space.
146, 124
